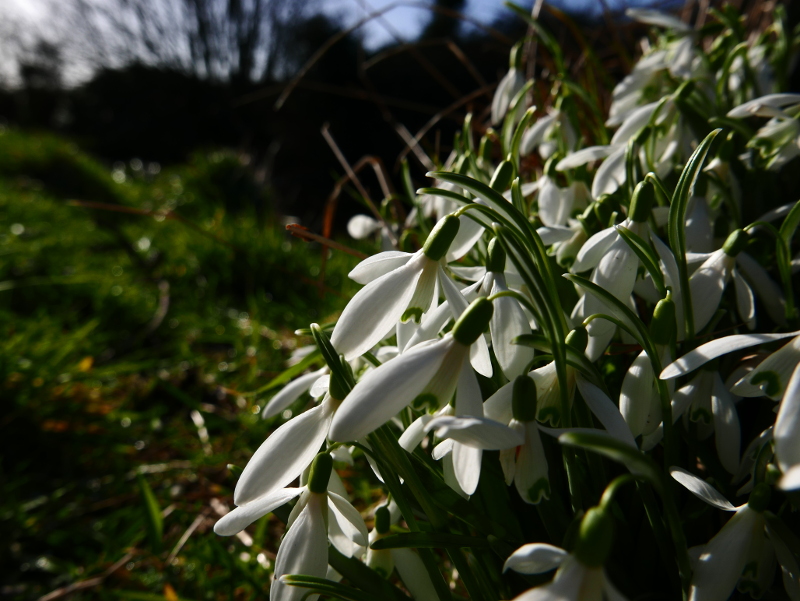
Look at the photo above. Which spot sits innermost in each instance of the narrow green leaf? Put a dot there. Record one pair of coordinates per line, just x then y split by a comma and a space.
783, 246
429, 540
295, 370
323, 586
155, 524
676, 227
637, 462
646, 255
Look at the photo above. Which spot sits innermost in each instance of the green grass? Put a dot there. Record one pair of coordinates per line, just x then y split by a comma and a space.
117, 324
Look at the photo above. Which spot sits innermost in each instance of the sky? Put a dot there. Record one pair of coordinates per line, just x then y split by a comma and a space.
405, 22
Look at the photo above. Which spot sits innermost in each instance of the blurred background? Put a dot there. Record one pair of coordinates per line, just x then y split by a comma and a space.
151, 152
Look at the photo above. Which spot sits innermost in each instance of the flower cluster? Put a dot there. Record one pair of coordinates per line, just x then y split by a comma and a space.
599, 302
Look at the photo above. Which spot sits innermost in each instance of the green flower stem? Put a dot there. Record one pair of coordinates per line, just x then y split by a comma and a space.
387, 458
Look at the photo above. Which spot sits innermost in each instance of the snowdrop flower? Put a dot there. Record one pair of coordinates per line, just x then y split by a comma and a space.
787, 434
525, 465
615, 267
556, 205
427, 373
771, 105
722, 560
709, 281
291, 392
304, 549
362, 226
769, 378
706, 401
542, 135
580, 575
404, 292
408, 563
778, 141
467, 434
508, 320
509, 86
639, 399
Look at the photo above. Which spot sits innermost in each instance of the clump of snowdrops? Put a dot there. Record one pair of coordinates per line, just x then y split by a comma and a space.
577, 376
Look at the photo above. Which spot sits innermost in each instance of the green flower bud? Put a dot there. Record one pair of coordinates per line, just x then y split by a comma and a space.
735, 243
496, 257
664, 325
473, 322
685, 90
523, 399
440, 239
382, 520
760, 497
338, 389
515, 58
502, 177
578, 338
550, 166
320, 473
485, 149
641, 136
595, 538
644, 196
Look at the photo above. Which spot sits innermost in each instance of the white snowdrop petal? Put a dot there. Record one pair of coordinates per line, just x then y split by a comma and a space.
350, 521
291, 392
552, 208
786, 432
752, 107
241, 517
498, 406
477, 432
304, 550
727, 434
530, 474
375, 309
721, 563
414, 434
468, 393
707, 285
702, 490
443, 448
535, 558
610, 175
467, 466
284, 455
765, 287
791, 478
716, 348
583, 156
534, 134
320, 386
635, 395
657, 18
361, 226
375, 266
469, 232
745, 303
414, 575
772, 375
553, 234
386, 390
594, 249
634, 122
509, 321
606, 411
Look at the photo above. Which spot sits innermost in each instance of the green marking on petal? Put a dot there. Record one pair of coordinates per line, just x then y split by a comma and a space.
701, 415
540, 490
550, 414
414, 313
425, 402
770, 379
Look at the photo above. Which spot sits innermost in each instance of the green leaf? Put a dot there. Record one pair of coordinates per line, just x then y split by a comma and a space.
428, 540
618, 310
676, 227
295, 370
323, 586
646, 255
155, 524
784, 245
637, 462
